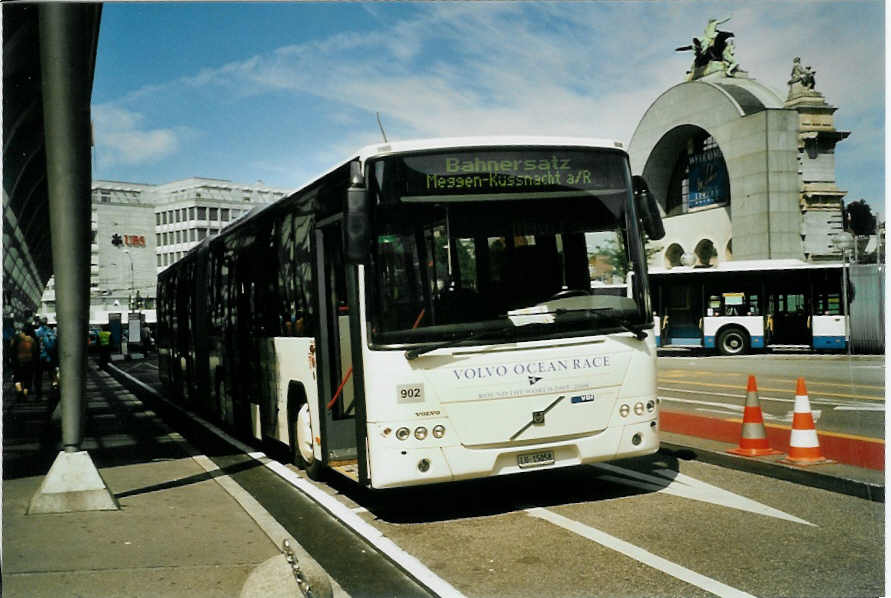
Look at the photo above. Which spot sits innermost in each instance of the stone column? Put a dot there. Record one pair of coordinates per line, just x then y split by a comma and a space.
820, 200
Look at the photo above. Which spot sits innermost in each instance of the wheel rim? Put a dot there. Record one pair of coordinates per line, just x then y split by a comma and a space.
733, 342
304, 435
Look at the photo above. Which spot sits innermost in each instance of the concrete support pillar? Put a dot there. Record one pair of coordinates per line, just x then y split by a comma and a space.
66, 71
67, 49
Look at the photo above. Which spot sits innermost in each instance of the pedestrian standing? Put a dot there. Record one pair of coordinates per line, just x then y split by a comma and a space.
47, 362
147, 341
104, 345
25, 353
9, 333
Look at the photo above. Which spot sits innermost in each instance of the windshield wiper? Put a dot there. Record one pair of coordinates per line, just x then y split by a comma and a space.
473, 335
635, 329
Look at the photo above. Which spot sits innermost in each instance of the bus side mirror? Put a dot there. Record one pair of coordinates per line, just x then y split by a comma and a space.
647, 209
357, 220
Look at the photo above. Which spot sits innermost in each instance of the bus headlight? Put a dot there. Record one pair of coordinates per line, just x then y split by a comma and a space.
420, 432
638, 409
438, 431
651, 405
403, 433
624, 410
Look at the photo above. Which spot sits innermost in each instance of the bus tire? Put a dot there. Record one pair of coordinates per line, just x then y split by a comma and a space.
733, 341
300, 432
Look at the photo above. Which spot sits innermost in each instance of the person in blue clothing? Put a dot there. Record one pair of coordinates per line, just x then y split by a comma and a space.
48, 356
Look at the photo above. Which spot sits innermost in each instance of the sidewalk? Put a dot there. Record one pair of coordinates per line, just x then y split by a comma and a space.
178, 531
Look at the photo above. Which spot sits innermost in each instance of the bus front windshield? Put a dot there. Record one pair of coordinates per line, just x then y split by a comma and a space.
503, 245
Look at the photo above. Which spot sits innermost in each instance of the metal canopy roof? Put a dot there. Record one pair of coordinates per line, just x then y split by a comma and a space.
27, 259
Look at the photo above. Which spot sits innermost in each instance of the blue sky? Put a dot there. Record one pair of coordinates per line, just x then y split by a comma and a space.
280, 92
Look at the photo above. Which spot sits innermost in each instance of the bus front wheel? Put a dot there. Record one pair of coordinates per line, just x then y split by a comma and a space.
733, 341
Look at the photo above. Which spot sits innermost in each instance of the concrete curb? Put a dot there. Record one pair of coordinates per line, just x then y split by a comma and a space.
273, 578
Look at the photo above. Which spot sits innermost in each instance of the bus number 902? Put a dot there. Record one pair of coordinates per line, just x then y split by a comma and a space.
410, 393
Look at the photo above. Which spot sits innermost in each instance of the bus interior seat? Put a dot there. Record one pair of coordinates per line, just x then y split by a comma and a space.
454, 304
535, 275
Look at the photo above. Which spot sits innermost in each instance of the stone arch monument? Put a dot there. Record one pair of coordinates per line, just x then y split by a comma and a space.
726, 158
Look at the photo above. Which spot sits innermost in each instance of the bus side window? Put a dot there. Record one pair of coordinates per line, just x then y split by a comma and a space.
754, 310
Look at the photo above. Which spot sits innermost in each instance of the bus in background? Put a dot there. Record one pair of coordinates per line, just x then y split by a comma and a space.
424, 313
736, 307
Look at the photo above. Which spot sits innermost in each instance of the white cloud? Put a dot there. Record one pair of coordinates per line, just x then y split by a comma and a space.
120, 138
557, 68
587, 69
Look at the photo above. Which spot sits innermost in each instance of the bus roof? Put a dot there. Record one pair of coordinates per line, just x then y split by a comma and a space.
414, 145
747, 266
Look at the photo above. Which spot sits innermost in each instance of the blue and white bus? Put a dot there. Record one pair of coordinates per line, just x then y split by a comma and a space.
736, 307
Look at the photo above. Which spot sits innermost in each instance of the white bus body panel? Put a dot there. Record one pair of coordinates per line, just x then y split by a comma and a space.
295, 360
754, 325
829, 332
485, 398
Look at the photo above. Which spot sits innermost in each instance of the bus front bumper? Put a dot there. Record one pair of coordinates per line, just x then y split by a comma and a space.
393, 467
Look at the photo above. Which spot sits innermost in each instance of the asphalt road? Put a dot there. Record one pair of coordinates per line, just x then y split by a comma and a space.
847, 394
657, 526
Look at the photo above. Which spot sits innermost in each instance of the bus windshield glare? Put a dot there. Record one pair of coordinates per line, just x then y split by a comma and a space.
509, 244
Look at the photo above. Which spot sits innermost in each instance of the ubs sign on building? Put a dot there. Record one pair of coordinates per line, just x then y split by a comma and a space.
739, 172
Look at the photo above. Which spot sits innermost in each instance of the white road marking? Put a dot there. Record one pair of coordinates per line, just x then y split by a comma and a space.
790, 415
678, 484
639, 554
742, 399
864, 407
722, 412
708, 403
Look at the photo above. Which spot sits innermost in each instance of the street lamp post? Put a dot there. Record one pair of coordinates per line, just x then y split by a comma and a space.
845, 242
132, 284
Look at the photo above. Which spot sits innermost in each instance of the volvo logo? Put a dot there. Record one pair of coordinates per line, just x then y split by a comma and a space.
538, 417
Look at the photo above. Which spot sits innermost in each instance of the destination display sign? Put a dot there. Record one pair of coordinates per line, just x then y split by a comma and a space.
510, 172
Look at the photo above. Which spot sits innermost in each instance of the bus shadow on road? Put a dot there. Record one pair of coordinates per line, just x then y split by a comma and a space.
510, 493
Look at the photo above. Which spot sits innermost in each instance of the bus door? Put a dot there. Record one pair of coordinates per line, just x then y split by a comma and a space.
338, 299
683, 312
788, 319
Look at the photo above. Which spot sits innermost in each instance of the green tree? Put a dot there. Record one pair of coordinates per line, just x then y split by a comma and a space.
859, 218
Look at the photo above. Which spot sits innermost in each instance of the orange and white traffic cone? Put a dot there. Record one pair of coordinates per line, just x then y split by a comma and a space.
754, 437
804, 446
